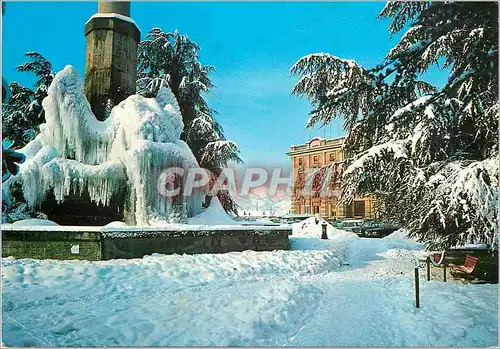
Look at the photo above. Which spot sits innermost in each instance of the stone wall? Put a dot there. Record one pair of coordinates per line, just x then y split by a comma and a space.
193, 242
93, 243
43, 244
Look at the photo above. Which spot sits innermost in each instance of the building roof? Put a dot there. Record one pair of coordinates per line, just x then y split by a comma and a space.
320, 144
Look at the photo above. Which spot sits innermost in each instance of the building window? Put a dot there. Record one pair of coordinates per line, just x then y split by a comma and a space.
316, 159
316, 209
359, 208
332, 157
300, 161
316, 194
349, 211
333, 212
308, 209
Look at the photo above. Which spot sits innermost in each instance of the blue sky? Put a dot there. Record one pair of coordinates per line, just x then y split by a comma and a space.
252, 46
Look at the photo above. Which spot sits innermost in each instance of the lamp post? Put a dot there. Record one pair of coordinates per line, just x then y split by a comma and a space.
324, 236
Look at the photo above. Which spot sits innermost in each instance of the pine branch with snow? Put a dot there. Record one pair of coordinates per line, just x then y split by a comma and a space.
23, 113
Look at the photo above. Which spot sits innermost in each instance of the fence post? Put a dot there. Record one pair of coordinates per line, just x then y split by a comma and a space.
428, 262
417, 295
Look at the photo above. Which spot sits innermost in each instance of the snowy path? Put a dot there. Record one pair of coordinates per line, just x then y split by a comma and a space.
371, 304
300, 298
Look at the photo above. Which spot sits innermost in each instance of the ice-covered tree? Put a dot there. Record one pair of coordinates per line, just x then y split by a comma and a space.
14, 210
23, 112
171, 59
428, 154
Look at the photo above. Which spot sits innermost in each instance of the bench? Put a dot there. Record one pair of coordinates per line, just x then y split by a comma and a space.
467, 268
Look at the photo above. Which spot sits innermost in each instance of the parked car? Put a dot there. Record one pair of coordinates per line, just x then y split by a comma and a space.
351, 225
375, 229
290, 219
334, 221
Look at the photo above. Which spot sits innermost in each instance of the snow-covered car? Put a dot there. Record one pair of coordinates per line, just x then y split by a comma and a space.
375, 229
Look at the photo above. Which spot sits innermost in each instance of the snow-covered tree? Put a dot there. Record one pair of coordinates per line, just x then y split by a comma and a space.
14, 209
23, 112
429, 155
171, 59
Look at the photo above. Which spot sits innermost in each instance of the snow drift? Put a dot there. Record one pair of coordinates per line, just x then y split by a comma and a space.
312, 227
400, 239
128, 152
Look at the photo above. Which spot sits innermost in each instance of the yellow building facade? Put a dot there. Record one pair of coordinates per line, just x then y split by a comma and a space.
315, 154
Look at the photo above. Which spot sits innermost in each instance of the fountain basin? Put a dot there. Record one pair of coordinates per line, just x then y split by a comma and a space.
104, 243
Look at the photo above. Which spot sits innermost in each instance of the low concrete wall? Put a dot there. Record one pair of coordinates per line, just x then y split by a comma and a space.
43, 244
122, 245
95, 243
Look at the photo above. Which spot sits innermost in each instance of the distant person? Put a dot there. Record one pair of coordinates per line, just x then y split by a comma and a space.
316, 218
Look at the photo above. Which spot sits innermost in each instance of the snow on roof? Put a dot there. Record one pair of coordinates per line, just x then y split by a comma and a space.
113, 15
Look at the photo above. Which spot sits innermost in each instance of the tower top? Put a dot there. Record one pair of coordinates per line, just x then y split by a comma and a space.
111, 56
118, 7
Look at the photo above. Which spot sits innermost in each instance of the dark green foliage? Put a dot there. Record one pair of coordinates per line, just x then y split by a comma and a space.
23, 113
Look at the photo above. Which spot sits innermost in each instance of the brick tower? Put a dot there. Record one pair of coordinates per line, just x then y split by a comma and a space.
111, 58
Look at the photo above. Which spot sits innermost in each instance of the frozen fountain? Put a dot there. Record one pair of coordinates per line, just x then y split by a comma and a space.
122, 156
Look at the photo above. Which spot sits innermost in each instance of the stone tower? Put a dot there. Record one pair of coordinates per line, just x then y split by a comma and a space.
111, 58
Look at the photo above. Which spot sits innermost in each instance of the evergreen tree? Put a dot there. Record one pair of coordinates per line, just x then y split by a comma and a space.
429, 155
171, 59
23, 112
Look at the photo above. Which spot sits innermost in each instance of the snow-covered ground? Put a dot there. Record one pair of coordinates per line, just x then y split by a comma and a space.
344, 291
